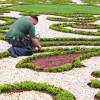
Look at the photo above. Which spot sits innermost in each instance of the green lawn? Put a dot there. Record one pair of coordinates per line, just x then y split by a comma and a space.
39, 1
58, 9
91, 1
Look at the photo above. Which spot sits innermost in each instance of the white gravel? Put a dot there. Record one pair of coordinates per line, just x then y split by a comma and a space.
77, 1
97, 22
4, 46
2, 22
78, 29
5, 4
13, 14
32, 95
70, 46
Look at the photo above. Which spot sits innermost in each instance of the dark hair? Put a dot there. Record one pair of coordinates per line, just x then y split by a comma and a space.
34, 17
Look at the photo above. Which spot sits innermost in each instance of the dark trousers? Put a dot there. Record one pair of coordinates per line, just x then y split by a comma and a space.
20, 46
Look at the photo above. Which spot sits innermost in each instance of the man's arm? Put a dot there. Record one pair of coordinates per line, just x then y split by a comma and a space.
36, 43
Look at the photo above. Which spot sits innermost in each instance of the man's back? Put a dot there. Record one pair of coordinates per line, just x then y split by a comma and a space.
22, 26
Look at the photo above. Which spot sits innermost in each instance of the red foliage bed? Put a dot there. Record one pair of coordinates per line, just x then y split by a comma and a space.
53, 61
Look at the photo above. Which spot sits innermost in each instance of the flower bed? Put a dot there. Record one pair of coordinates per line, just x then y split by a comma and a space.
54, 61
25, 63
57, 93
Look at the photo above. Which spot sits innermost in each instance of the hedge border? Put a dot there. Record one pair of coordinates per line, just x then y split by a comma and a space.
95, 83
58, 93
86, 19
97, 96
96, 74
77, 62
45, 42
61, 27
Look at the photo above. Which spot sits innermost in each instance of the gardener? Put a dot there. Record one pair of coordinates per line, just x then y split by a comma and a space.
22, 37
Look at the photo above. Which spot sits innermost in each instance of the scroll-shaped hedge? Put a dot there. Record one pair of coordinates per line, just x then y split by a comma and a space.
57, 93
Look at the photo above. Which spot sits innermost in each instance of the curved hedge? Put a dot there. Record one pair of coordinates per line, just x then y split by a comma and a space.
8, 20
96, 73
75, 18
25, 63
5, 26
95, 83
58, 93
97, 96
61, 27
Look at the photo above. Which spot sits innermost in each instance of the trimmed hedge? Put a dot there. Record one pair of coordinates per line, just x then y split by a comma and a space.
95, 83
97, 96
58, 93
4, 54
96, 73
85, 19
5, 26
25, 63
61, 27
7, 20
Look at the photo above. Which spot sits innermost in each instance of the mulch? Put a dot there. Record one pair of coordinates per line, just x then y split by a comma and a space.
57, 60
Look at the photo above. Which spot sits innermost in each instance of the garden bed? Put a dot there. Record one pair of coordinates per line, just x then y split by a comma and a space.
57, 60
69, 64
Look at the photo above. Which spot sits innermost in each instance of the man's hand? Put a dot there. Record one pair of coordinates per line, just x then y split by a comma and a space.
37, 50
37, 44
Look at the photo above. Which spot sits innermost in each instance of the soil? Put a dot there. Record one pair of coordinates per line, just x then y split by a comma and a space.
85, 26
53, 61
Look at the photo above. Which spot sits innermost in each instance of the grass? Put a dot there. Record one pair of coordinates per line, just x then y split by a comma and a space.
40, 1
91, 1
57, 9
58, 93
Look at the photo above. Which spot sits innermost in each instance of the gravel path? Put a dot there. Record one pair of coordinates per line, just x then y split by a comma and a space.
74, 80
77, 1
32, 95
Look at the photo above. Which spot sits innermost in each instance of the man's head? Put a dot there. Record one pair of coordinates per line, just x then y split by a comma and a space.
34, 19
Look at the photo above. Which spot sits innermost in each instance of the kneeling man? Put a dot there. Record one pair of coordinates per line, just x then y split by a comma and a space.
22, 37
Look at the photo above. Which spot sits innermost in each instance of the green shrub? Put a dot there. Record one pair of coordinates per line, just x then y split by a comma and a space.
58, 93
4, 54
96, 73
95, 83
97, 96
